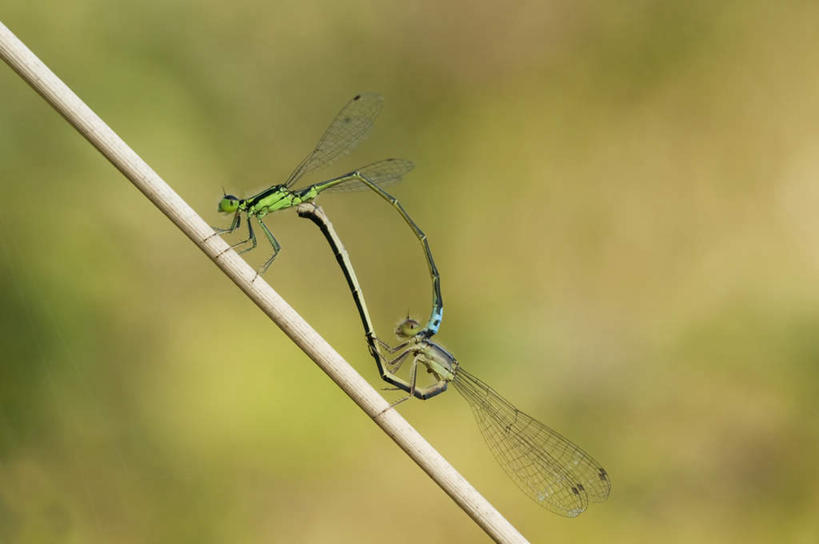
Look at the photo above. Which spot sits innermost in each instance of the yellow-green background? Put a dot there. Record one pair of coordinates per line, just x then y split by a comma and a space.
622, 198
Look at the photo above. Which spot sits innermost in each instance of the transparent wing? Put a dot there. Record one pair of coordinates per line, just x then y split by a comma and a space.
381, 173
349, 127
557, 474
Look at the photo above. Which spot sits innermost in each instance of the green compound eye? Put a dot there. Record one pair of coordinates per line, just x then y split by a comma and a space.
407, 328
228, 204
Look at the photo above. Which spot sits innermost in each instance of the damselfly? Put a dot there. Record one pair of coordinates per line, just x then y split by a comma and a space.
550, 469
350, 126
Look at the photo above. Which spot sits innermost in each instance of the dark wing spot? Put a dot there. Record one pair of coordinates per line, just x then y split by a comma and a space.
356, 97
580, 487
575, 491
602, 474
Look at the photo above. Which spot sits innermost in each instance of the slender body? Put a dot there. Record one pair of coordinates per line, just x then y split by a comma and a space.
314, 213
348, 128
550, 469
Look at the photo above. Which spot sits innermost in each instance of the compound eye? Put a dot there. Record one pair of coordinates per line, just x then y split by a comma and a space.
228, 204
407, 328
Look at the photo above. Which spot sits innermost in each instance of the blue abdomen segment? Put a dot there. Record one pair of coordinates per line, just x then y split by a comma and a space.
435, 321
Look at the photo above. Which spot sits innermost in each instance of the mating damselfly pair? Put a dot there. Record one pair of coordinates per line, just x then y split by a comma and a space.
550, 469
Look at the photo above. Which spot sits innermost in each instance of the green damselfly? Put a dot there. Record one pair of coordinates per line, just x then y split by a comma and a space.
350, 126
550, 469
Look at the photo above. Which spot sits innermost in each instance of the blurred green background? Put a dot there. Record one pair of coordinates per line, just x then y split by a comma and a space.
622, 200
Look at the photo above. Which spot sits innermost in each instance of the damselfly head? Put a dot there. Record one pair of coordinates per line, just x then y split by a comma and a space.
228, 204
407, 328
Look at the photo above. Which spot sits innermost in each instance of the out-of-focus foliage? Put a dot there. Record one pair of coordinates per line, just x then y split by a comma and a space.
622, 200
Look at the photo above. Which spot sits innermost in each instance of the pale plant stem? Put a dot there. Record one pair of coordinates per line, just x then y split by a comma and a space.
100, 135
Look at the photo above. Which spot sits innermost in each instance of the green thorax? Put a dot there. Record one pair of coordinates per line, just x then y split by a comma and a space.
437, 360
277, 198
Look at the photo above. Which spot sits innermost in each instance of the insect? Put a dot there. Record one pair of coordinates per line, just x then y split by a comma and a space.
550, 469
350, 126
